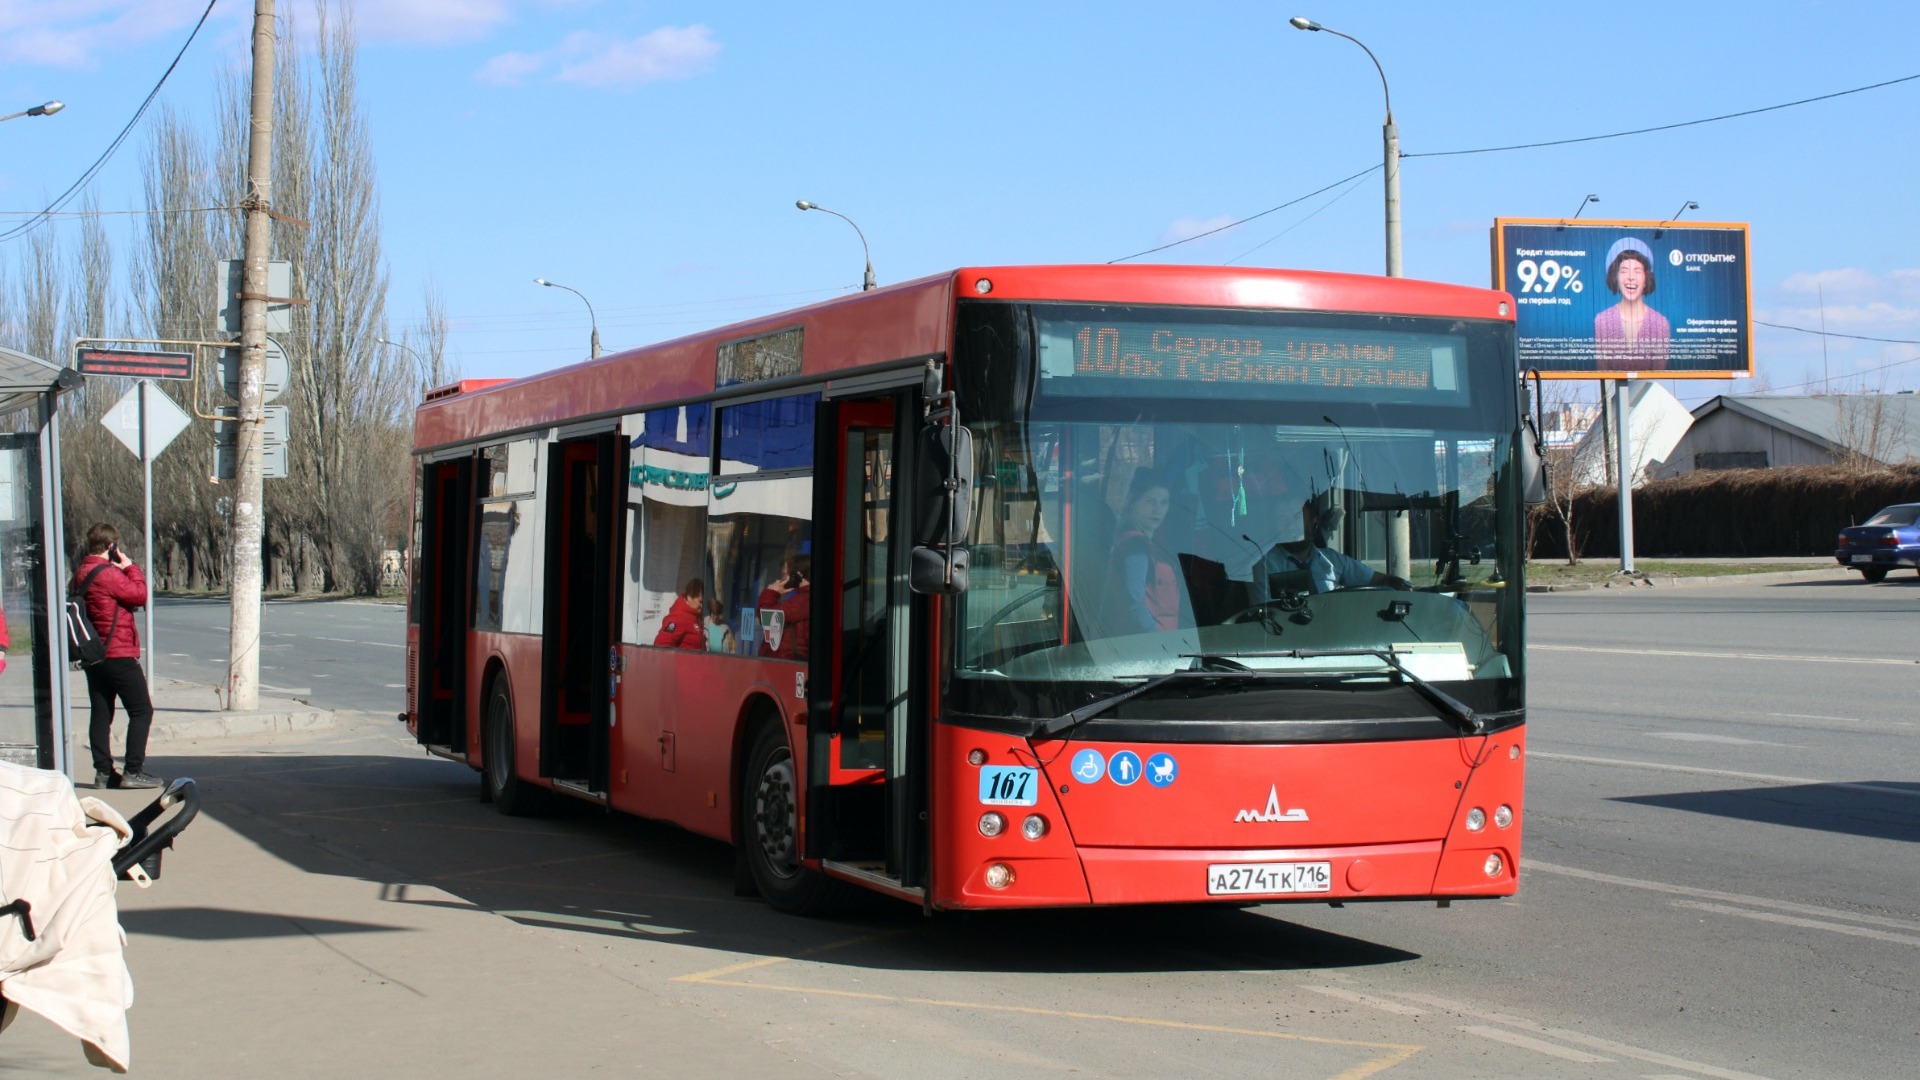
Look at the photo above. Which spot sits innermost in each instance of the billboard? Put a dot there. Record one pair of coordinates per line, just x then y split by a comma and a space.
1603, 299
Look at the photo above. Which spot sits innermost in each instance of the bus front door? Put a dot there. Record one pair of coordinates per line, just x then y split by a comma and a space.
578, 657
444, 604
865, 763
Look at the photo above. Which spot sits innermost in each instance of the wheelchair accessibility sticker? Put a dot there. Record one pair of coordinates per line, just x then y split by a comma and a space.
1089, 766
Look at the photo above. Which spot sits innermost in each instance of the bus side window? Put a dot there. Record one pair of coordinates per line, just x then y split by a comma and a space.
760, 525
667, 482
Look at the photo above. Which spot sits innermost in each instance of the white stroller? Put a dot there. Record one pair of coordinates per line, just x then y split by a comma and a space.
60, 937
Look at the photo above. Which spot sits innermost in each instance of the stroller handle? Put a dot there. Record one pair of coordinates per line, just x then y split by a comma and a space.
147, 842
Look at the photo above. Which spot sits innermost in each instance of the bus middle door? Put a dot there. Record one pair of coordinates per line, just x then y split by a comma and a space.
867, 783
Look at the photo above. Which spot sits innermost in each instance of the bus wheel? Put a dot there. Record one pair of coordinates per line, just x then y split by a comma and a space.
500, 786
769, 830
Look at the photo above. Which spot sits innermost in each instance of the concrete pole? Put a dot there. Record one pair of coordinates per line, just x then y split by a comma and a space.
1390, 135
249, 512
1623, 426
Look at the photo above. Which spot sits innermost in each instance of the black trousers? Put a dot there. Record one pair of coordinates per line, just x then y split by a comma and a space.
119, 677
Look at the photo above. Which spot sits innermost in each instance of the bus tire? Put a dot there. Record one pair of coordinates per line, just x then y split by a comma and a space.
769, 833
500, 784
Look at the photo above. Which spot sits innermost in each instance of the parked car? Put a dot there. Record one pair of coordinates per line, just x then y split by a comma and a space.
1888, 539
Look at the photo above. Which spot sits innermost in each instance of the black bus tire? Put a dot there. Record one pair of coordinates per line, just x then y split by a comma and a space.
770, 790
500, 785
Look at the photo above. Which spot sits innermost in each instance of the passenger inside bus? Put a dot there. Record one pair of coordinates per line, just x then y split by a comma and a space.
1146, 588
790, 596
1302, 547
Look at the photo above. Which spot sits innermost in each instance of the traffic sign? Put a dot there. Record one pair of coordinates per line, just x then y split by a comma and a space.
154, 426
273, 461
134, 363
275, 377
233, 273
276, 422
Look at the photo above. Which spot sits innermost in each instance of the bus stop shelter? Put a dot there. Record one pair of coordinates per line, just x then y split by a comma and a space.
33, 564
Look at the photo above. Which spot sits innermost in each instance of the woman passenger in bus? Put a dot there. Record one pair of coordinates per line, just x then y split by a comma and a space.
792, 596
685, 624
1143, 578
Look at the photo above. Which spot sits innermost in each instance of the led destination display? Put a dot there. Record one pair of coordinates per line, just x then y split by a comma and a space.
1116, 356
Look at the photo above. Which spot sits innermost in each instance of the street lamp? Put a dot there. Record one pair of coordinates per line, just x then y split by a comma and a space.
426, 376
1390, 135
48, 109
1684, 207
583, 299
866, 283
1583, 205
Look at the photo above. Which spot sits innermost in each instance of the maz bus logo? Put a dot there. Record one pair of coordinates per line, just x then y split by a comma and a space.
1273, 811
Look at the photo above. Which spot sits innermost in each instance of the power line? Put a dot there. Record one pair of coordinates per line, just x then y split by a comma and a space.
112, 213
1244, 220
1667, 127
1351, 188
34, 222
1830, 333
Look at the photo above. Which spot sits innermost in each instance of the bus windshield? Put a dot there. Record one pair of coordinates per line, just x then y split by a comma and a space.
1166, 489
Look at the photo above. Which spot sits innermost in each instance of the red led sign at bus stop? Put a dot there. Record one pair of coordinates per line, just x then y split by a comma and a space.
134, 363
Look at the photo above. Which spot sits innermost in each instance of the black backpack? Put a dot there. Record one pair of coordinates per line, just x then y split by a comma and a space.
85, 646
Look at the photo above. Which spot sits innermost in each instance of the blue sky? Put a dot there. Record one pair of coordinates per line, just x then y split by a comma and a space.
649, 154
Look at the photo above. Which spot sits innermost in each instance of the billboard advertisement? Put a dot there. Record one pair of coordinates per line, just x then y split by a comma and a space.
1605, 299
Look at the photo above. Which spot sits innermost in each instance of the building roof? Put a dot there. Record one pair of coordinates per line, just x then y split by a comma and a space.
1885, 427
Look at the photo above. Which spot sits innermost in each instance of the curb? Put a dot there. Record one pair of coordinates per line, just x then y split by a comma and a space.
210, 727
1694, 581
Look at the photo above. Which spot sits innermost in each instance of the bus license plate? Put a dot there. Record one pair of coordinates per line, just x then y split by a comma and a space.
1002, 785
1268, 879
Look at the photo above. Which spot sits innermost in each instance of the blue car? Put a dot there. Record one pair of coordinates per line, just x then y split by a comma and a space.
1888, 539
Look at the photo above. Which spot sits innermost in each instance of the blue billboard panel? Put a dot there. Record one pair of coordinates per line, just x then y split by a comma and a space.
1602, 299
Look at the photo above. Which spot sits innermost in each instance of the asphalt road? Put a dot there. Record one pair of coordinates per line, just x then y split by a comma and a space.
337, 654
1719, 881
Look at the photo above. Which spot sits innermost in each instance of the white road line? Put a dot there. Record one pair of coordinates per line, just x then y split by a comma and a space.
1729, 740
1726, 897
1765, 778
1538, 1046
1367, 999
1618, 1049
1691, 655
355, 641
1817, 716
1789, 920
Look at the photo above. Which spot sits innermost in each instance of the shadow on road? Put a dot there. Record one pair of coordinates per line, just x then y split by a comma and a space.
415, 828
1882, 811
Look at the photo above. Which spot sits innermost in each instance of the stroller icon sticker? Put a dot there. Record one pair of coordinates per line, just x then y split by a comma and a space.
1089, 766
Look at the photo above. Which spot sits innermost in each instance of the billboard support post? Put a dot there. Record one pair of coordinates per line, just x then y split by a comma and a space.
1623, 427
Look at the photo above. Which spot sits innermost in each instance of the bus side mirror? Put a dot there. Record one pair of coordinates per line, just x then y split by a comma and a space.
943, 513
1533, 467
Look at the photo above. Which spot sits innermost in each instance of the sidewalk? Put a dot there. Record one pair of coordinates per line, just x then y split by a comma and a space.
186, 712
1674, 573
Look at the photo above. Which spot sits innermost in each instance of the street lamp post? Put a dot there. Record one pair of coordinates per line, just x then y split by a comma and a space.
1390, 137
583, 299
426, 376
867, 282
1583, 204
48, 109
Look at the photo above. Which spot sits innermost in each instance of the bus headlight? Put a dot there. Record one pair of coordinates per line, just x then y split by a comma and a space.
1495, 864
1476, 819
992, 824
999, 876
1503, 816
1034, 827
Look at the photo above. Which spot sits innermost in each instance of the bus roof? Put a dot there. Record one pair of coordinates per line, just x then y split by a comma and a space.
909, 320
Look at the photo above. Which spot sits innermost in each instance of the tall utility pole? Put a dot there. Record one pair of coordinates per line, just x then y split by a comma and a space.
249, 515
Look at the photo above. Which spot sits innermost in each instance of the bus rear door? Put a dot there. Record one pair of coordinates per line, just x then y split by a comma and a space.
445, 603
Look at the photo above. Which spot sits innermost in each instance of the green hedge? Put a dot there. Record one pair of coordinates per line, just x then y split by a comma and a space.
1730, 512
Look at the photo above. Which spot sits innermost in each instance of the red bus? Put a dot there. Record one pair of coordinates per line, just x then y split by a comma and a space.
1016, 586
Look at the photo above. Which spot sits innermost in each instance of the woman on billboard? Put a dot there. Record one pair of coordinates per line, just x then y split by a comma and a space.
1630, 336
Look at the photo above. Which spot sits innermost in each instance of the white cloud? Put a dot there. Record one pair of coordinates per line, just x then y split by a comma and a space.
593, 59
81, 34
1187, 228
430, 21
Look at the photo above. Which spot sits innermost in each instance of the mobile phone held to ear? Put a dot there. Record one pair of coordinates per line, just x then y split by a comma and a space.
113, 553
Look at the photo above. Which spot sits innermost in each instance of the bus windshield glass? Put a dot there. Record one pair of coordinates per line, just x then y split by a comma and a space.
1161, 489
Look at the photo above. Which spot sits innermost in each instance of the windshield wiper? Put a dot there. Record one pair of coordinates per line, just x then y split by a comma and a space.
1456, 710
1066, 722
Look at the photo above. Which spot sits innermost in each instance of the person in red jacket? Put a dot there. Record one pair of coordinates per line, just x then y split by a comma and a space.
791, 594
116, 589
685, 626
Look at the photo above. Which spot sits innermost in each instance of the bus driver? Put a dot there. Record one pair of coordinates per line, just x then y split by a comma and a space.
1301, 546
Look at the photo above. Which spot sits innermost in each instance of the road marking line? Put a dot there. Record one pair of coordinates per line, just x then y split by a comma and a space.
1729, 740
1590, 1041
1727, 897
356, 641
1538, 1046
1691, 655
1790, 920
1817, 716
1766, 778
1393, 1053
1367, 999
